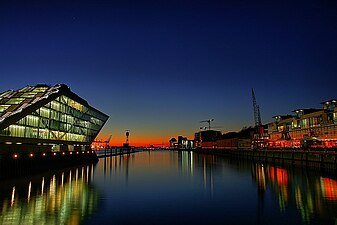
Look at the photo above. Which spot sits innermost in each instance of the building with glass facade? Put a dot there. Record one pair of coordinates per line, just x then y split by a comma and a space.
47, 118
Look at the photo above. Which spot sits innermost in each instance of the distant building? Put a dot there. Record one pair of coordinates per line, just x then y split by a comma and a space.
47, 118
206, 136
173, 143
181, 143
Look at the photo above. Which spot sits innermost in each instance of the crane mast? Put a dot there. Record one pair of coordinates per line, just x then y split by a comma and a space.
257, 116
258, 139
107, 141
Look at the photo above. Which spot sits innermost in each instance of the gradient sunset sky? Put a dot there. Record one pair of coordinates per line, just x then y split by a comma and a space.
159, 67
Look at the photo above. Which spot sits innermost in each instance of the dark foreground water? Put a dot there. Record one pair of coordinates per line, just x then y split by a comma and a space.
165, 187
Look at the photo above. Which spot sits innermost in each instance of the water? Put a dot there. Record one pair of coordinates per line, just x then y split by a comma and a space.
165, 187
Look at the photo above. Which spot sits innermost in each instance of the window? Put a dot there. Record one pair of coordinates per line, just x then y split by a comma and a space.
15, 101
31, 132
55, 105
32, 121
3, 108
40, 89
54, 115
16, 131
44, 112
28, 95
43, 134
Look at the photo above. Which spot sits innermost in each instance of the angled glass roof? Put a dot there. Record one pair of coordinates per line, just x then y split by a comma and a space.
12, 102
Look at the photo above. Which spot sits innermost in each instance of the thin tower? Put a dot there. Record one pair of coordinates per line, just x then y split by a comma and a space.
127, 134
257, 116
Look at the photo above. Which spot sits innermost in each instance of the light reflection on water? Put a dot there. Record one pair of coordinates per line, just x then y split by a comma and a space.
188, 188
166, 187
54, 198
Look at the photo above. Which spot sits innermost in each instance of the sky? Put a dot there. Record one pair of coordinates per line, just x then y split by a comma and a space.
158, 67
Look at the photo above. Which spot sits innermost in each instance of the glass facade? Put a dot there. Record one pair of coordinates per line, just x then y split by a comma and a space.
61, 119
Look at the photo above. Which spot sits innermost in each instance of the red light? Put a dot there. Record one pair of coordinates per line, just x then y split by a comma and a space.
76, 152
63, 153
15, 156
71, 153
83, 152
54, 153
88, 152
44, 154
31, 155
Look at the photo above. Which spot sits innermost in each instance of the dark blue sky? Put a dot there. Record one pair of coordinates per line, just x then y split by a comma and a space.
159, 67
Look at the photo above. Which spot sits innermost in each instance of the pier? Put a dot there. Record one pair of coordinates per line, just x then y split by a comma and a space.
114, 152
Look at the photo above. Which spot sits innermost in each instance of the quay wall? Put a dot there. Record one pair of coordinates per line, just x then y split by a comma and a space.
324, 160
15, 165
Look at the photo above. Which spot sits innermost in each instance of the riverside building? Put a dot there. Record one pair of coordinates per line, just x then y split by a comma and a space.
307, 128
46, 118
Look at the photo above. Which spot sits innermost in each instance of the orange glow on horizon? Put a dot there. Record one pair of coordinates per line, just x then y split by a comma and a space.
135, 140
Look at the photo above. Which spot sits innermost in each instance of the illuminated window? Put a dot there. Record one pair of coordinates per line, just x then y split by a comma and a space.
55, 105
54, 115
32, 120
24, 89
64, 99
15, 101
304, 123
22, 121
63, 117
3, 108
16, 131
28, 95
40, 89
54, 124
44, 112
43, 134
31, 132
70, 119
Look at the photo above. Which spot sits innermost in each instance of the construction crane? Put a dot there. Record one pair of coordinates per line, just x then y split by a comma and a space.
107, 141
257, 116
209, 123
258, 140
205, 128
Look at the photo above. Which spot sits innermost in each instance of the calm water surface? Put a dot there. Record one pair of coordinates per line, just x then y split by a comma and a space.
165, 187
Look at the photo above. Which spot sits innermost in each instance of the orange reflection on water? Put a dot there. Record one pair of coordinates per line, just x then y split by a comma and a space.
282, 176
329, 188
278, 174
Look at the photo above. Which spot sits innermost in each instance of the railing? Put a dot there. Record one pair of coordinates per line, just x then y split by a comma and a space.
322, 159
114, 151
